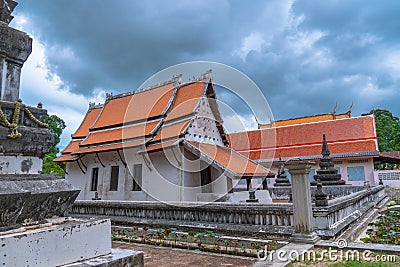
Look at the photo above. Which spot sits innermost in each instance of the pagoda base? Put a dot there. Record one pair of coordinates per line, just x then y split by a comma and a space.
282, 184
334, 182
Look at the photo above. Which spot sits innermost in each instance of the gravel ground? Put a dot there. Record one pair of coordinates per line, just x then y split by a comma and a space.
165, 257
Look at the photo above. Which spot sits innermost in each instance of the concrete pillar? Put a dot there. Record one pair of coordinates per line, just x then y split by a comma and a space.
302, 208
12, 82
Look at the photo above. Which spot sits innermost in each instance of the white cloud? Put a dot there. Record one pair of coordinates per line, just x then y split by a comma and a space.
372, 91
239, 123
38, 84
253, 42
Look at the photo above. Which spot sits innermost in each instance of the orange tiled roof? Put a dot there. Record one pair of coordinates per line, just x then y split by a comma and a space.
65, 158
230, 159
109, 147
307, 119
119, 134
173, 130
165, 102
343, 136
88, 121
186, 100
160, 146
310, 150
72, 146
135, 107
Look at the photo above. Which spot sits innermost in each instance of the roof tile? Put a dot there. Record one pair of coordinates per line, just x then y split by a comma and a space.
87, 122
230, 159
171, 131
139, 106
119, 134
72, 146
186, 100
109, 147
343, 136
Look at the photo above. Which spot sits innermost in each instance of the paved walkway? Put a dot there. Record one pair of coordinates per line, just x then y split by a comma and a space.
165, 257
282, 257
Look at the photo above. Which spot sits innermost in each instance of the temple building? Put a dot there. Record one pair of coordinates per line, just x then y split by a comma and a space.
161, 143
352, 142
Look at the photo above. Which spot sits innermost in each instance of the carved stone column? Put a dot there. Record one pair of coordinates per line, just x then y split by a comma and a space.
302, 209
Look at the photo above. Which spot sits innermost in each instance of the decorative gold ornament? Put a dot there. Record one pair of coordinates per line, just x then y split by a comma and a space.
38, 122
13, 126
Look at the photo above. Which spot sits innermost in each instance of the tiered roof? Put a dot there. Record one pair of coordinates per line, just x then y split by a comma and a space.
307, 119
227, 159
152, 119
348, 137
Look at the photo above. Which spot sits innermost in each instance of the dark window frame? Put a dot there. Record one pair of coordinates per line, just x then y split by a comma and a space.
114, 177
137, 177
95, 179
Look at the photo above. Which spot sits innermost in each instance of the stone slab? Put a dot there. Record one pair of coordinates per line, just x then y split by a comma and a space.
56, 244
117, 258
20, 164
29, 197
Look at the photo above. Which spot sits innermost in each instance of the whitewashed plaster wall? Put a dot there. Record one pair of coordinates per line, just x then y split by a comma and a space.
204, 129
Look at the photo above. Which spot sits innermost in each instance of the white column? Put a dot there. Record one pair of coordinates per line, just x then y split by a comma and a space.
302, 208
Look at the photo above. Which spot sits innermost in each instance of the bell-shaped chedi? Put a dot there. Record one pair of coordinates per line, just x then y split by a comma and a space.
26, 195
327, 174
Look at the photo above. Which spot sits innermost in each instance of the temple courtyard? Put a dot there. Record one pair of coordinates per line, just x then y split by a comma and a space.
152, 177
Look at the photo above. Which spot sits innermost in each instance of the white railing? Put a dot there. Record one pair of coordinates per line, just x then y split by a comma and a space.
246, 217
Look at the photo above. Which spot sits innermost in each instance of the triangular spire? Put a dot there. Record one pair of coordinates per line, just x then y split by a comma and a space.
325, 150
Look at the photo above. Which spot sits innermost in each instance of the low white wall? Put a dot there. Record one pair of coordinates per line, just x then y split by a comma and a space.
390, 178
367, 163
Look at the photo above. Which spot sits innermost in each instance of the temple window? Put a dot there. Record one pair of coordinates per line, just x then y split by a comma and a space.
95, 179
114, 178
137, 177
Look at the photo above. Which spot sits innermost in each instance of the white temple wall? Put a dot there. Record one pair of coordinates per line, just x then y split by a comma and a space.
365, 164
204, 129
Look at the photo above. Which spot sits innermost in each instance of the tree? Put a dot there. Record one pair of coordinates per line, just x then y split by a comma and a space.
387, 129
56, 126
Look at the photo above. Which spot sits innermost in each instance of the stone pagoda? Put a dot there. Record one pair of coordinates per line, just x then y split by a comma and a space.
281, 178
33, 206
327, 174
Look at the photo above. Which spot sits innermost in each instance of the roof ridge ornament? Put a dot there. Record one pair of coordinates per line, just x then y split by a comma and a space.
176, 80
205, 77
334, 111
94, 105
350, 108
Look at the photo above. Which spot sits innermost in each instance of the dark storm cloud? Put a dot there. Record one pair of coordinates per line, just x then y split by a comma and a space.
310, 54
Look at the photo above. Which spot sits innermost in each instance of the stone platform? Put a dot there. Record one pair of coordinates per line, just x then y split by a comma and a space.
64, 241
29, 197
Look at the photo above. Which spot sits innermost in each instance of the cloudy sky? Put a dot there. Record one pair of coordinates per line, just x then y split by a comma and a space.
303, 55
